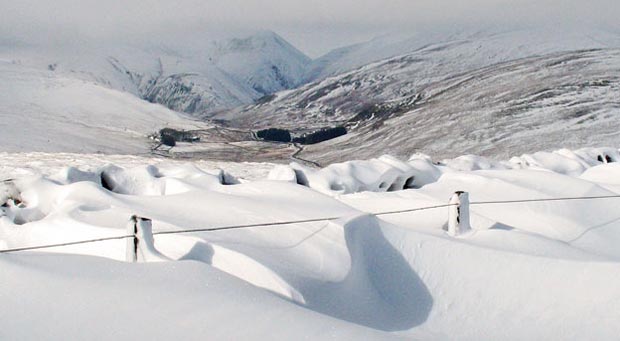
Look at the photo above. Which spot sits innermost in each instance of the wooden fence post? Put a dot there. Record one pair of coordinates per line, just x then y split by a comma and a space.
141, 248
458, 219
132, 242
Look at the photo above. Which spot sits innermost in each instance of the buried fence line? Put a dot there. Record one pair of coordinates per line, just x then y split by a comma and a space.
133, 239
140, 228
234, 227
412, 209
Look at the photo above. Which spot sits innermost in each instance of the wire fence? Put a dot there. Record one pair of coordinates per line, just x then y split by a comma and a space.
48, 246
291, 222
543, 200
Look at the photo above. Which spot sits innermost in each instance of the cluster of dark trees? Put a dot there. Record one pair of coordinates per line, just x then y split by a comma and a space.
274, 134
283, 135
321, 135
170, 137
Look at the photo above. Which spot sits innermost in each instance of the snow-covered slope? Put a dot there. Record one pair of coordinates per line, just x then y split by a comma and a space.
433, 57
265, 62
474, 45
559, 100
528, 270
199, 78
43, 111
433, 100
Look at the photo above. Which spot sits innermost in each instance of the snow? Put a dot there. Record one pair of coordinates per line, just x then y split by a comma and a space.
491, 44
59, 114
378, 175
199, 74
112, 300
364, 249
527, 270
472, 92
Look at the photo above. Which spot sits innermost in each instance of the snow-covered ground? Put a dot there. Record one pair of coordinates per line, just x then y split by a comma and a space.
528, 270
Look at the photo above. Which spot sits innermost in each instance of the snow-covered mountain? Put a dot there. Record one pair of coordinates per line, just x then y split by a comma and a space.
264, 61
477, 45
448, 97
199, 78
480, 95
554, 101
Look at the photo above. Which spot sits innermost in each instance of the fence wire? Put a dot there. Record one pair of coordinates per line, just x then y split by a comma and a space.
28, 248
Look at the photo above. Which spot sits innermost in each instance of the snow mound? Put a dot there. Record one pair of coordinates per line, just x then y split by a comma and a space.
384, 174
389, 174
153, 180
606, 174
568, 162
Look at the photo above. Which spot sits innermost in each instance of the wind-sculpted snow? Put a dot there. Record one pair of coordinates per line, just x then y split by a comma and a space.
150, 302
74, 199
153, 180
377, 175
529, 270
389, 174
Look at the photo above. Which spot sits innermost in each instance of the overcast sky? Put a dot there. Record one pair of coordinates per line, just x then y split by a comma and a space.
315, 27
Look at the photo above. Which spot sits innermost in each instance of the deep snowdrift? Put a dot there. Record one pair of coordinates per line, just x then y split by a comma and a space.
528, 270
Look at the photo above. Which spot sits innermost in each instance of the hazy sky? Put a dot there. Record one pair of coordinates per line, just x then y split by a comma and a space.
314, 27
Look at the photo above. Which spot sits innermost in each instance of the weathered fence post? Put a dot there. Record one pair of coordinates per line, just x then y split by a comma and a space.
132, 242
458, 219
141, 247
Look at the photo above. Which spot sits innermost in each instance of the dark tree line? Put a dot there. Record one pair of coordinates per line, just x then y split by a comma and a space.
321, 135
283, 135
274, 134
170, 137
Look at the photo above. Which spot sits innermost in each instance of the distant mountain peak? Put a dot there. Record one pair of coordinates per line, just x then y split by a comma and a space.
200, 78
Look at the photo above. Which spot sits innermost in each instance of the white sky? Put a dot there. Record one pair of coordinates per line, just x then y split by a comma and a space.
315, 27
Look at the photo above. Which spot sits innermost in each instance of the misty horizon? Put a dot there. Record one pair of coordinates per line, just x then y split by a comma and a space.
315, 30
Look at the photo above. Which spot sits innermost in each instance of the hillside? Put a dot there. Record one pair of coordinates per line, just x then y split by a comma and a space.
561, 100
43, 111
440, 101
476, 46
446, 98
